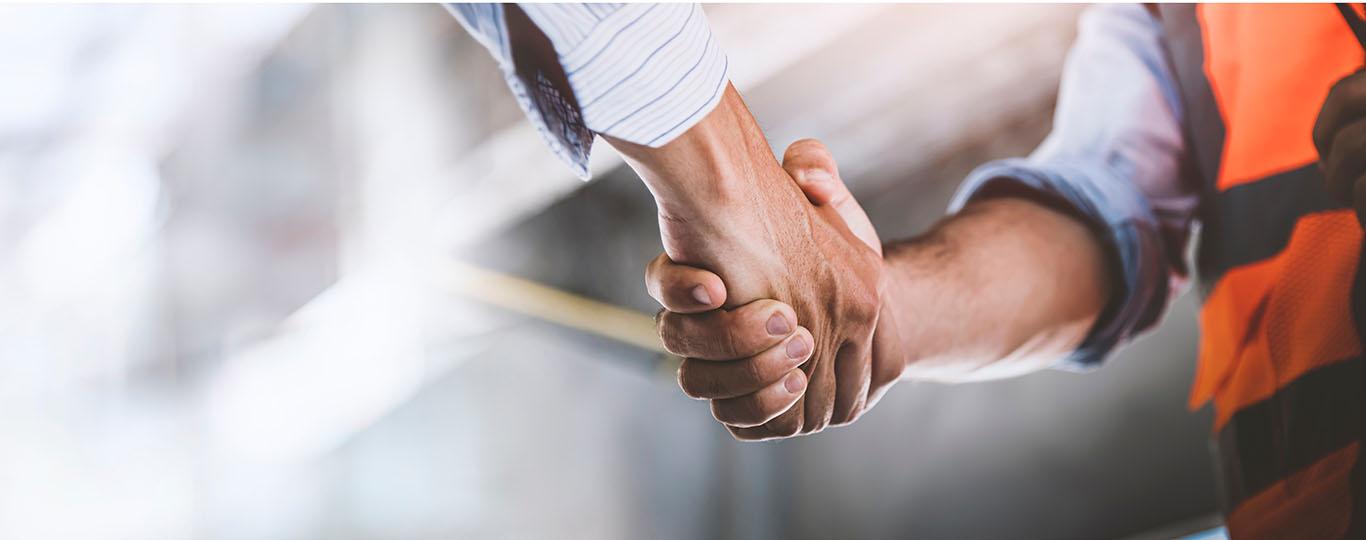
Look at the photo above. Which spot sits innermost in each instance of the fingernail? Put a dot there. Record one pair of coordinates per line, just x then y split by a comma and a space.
777, 325
699, 293
816, 175
797, 347
794, 382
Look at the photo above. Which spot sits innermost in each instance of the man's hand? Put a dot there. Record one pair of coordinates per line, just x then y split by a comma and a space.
727, 206
746, 360
1340, 136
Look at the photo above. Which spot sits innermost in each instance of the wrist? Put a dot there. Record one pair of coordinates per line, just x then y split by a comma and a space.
717, 163
915, 288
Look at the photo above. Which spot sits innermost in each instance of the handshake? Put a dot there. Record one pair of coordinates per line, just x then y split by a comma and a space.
772, 279
788, 313
799, 341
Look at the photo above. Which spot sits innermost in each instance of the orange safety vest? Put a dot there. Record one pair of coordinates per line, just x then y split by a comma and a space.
1280, 265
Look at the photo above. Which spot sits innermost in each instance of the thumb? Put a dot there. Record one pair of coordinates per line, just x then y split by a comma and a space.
810, 164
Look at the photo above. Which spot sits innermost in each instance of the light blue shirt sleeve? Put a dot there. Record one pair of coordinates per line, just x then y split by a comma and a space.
643, 73
1115, 156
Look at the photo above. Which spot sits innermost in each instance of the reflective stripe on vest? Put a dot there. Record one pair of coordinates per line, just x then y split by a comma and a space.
1280, 354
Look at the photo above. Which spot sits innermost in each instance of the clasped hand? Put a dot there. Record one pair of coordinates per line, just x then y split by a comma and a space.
788, 335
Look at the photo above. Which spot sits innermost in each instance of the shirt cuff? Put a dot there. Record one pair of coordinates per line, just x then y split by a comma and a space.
555, 118
1129, 232
647, 72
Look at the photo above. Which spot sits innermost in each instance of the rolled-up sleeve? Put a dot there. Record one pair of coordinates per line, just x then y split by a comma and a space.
643, 73
1115, 157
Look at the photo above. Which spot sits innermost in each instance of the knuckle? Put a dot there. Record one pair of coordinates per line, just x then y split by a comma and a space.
868, 312
864, 309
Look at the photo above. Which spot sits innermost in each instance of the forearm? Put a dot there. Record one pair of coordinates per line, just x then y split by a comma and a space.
1005, 287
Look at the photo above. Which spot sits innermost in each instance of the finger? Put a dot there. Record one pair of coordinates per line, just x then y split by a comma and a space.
1346, 160
859, 408
889, 360
787, 424
810, 163
852, 372
1345, 102
709, 379
819, 401
756, 408
681, 288
727, 334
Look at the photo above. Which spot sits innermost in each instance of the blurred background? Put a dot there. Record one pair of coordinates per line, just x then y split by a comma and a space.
284, 271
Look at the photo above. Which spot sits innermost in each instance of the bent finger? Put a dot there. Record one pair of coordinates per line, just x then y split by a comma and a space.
681, 288
889, 359
853, 370
756, 408
727, 334
710, 379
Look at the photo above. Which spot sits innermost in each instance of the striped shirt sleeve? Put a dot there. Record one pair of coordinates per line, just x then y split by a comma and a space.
643, 73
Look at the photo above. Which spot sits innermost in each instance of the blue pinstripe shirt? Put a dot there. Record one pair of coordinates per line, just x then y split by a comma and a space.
643, 73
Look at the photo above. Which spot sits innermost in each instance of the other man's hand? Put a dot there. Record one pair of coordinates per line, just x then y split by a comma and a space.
746, 360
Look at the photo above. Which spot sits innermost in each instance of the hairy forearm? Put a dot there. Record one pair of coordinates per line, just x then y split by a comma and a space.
1005, 287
